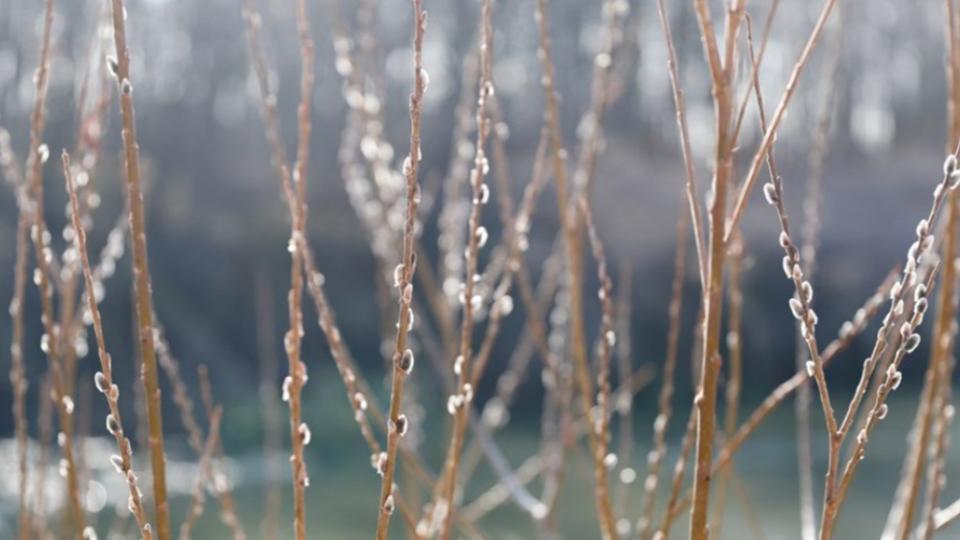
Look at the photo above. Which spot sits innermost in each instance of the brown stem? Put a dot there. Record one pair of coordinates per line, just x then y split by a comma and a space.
204, 471
141, 273
462, 398
571, 233
51, 343
18, 376
908, 286
665, 398
902, 513
681, 113
402, 356
705, 401
779, 394
104, 378
778, 114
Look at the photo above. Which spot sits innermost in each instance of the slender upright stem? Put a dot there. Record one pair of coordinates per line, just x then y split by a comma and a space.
572, 243
141, 271
460, 403
294, 193
681, 114
51, 342
103, 380
757, 162
18, 376
204, 466
298, 215
710, 361
403, 356
808, 250
665, 398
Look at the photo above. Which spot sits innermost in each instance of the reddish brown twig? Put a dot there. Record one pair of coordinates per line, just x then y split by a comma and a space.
203, 474
903, 511
460, 402
104, 378
144, 304
402, 356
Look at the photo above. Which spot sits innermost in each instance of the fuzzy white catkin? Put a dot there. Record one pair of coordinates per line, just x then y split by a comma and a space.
949, 164
484, 197
406, 361
787, 266
807, 290
770, 193
882, 411
100, 380
912, 343
796, 308
304, 432
482, 236
784, 239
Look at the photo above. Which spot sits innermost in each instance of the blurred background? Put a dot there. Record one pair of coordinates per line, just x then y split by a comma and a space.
218, 228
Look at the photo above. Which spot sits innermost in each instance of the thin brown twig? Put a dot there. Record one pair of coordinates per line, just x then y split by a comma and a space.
453, 213
293, 383
705, 400
940, 383
571, 234
358, 392
755, 66
376, 200
181, 396
403, 357
44, 437
356, 396
516, 224
221, 484
605, 343
205, 470
359, 395
299, 431
195, 437
664, 400
801, 302
495, 410
906, 340
681, 113
18, 376
144, 304
66, 268
734, 379
778, 114
936, 474
623, 402
810, 240
848, 333
538, 464
50, 342
674, 503
902, 513
460, 402
104, 378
